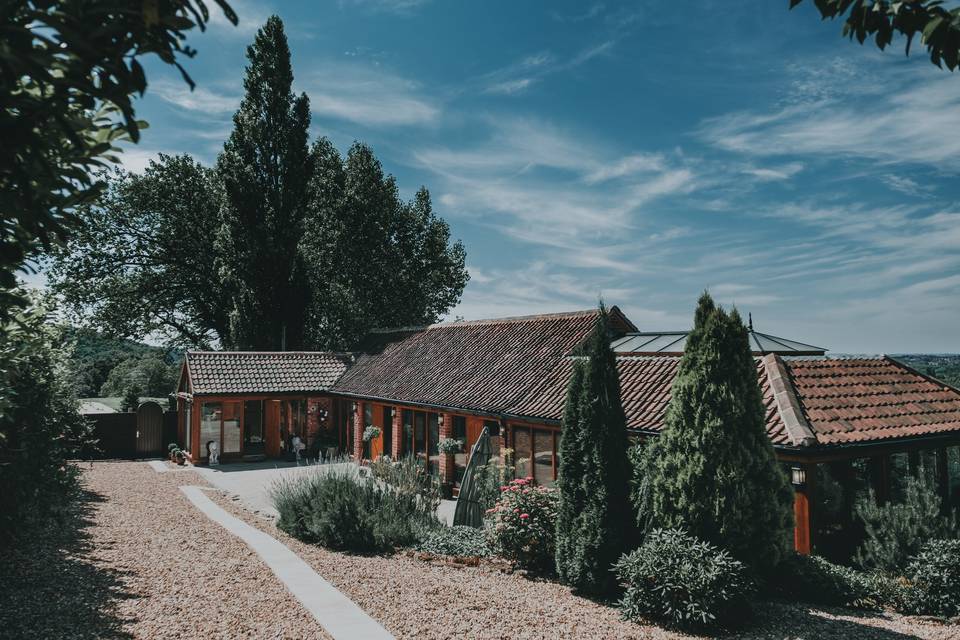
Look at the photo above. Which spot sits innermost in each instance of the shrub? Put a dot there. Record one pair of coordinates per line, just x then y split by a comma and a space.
682, 580
594, 522
712, 470
934, 575
339, 509
489, 478
817, 581
522, 525
41, 428
460, 541
895, 531
408, 477
371, 433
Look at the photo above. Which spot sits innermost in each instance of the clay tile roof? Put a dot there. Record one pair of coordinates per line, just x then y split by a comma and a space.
645, 383
224, 372
855, 400
485, 365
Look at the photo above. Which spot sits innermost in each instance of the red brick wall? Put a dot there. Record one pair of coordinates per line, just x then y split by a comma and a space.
397, 445
358, 428
446, 459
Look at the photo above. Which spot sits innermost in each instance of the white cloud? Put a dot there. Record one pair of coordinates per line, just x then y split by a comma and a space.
774, 173
201, 100
367, 96
904, 125
532, 69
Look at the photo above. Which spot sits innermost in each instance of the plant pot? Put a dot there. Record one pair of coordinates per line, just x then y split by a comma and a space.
446, 490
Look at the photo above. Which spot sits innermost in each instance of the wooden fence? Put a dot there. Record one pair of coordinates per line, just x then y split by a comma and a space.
117, 434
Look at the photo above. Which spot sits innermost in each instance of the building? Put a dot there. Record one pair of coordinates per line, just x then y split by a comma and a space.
849, 418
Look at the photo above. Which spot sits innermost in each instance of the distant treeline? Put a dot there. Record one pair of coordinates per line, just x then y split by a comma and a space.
942, 367
104, 366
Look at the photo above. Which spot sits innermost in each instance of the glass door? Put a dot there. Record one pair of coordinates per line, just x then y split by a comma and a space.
253, 435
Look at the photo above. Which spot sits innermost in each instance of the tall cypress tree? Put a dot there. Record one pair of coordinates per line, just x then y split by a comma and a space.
570, 480
712, 470
265, 167
596, 483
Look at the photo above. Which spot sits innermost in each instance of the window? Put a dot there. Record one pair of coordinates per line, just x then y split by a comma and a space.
387, 430
460, 459
187, 425
433, 436
231, 427
210, 413
421, 432
535, 453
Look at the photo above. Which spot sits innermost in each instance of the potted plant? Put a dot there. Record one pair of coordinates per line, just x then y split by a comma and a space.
370, 433
179, 456
173, 446
449, 446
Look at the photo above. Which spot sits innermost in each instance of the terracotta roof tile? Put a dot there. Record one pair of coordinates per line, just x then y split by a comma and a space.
645, 383
486, 365
853, 400
223, 372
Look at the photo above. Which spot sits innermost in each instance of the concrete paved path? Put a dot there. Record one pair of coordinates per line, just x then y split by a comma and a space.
251, 481
336, 613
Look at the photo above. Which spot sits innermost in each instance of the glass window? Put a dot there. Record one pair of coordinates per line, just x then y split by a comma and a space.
407, 432
433, 436
187, 425
231, 427
521, 451
253, 427
460, 459
493, 428
386, 426
420, 434
543, 457
210, 415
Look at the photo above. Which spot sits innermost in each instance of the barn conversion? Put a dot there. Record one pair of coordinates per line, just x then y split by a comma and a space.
833, 421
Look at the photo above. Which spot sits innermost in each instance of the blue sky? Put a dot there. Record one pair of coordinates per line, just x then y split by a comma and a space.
639, 151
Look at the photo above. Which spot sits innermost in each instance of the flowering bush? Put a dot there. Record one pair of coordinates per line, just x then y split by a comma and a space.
449, 445
371, 433
521, 527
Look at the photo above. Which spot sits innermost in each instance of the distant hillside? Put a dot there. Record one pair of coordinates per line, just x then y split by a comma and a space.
945, 367
94, 356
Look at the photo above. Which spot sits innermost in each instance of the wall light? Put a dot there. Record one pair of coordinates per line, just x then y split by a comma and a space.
798, 476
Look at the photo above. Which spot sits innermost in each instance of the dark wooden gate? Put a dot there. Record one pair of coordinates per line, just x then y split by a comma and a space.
149, 429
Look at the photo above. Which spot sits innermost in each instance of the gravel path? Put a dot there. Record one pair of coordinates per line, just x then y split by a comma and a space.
426, 600
144, 563
141, 563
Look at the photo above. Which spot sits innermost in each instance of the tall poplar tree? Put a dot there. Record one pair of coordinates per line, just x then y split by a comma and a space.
597, 482
712, 470
265, 167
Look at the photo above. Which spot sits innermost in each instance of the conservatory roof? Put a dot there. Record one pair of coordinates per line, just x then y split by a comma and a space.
673, 342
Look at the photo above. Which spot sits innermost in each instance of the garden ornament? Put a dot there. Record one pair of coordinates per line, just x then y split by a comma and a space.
213, 452
297, 446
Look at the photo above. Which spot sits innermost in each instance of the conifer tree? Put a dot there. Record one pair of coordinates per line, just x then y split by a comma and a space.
570, 479
712, 470
265, 167
597, 481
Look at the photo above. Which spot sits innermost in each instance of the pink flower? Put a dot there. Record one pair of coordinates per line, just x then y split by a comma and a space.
524, 516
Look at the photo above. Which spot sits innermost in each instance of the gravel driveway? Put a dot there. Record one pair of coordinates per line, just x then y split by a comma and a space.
144, 563
432, 600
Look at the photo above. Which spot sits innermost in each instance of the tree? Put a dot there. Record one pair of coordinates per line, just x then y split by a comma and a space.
265, 166
597, 482
131, 397
373, 259
570, 480
68, 71
40, 424
142, 263
150, 375
939, 28
712, 470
